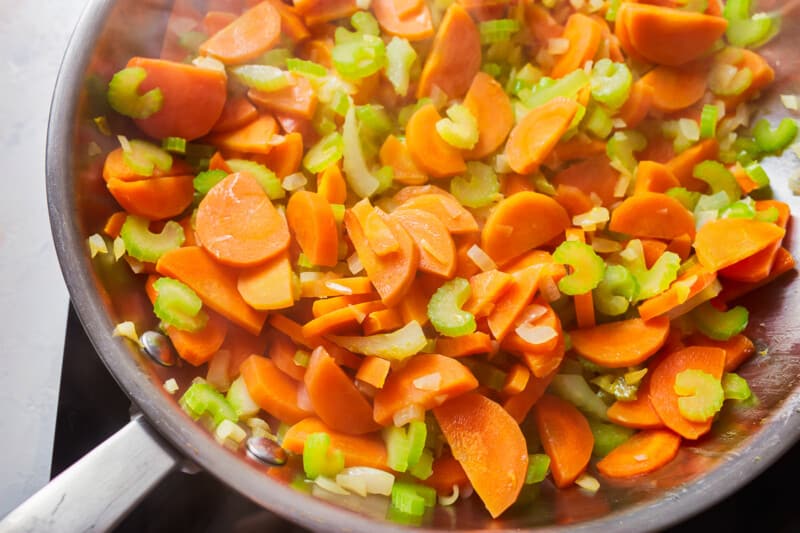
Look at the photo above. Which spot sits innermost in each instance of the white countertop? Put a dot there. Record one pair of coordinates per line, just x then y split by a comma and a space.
33, 297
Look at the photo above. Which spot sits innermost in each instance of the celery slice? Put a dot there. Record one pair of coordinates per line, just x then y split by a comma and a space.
701, 395
621, 147
318, 457
719, 178
708, 121
264, 176
206, 180
459, 129
239, 399
574, 389
479, 188
397, 345
651, 281
143, 157
124, 98
611, 83
178, 305
607, 436
144, 245
325, 153
588, 267
262, 77
360, 57
355, 168
774, 140
720, 325
365, 23
412, 499
202, 398
735, 387
400, 57
306, 68
444, 309
538, 466
616, 291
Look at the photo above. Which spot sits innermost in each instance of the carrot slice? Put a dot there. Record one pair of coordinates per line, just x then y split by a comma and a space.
489, 104
154, 198
574, 200
648, 27
738, 349
535, 136
756, 267
676, 88
284, 158
115, 167
694, 280
318, 11
662, 386
373, 371
217, 162
323, 288
455, 57
654, 215
584, 35
114, 223
644, 452
257, 30
400, 392
298, 99
237, 113
252, 138
542, 364
487, 287
352, 315
520, 404
471, 344
272, 390
497, 472
652, 176
214, 283
394, 153
336, 400
391, 274
593, 175
510, 230
311, 221
324, 306
636, 107
455, 217
733, 289
414, 24
358, 450
331, 185
383, 320
547, 317
726, 241
437, 252
429, 152
237, 223
638, 413
566, 438
446, 473
415, 305
762, 72
282, 351
620, 344
269, 285
541, 24
523, 287
193, 98
292, 24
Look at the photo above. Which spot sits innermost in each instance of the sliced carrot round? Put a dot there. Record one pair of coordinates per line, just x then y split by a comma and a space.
311, 220
644, 452
428, 150
412, 23
721, 243
446, 208
620, 344
272, 390
676, 88
257, 30
653, 215
490, 105
437, 251
237, 223
535, 136
566, 437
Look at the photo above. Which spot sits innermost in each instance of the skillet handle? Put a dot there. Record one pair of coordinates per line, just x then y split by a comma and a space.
96, 492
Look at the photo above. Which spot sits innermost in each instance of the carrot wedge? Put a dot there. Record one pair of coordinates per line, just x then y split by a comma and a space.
269, 285
723, 242
524, 284
653, 215
757, 266
652, 176
592, 175
535, 136
237, 113
272, 390
429, 152
566, 437
153, 198
662, 386
437, 251
311, 220
732, 289
257, 30
520, 404
455, 217
489, 104
331, 185
584, 35
414, 24
298, 99
636, 107
620, 344
497, 472
682, 165
373, 371
675, 88
471, 344
738, 349
214, 283
644, 452
638, 413
253, 138
358, 450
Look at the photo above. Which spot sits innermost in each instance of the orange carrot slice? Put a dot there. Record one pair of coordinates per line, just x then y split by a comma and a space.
429, 152
269, 285
358, 450
284, 158
487, 287
644, 452
535, 136
437, 252
738, 349
520, 404
455, 217
318, 11
298, 98
726, 241
638, 413
373, 371
676, 88
732, 289
272, 390
566, 438
257, 30
282, 351
446, 473
414, 24
313, 225
636, 107
523, 288
593, 175
394, 153
471, 344
756, 267
584, 35
331, 185
333, 322
652, 176
252, 138
653, 215
382, 320
154, 198
620, 344
115, 167
237, 113
489, 104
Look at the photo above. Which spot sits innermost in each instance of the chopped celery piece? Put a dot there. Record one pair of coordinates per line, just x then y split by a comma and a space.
144, 157
538, 466
727, 80
360, 57
206, 180
574, 389
746, 31
479, 188
338, 212
340, 102
711, 203
374, 119
719, 325
701, 395
178, 305
487, 374
144, 245
124, 98
622, 145
385, 177
175, 145
202, 398
497, 30
424, 467
611, 83
611, 12
735, 387
400, 57
744, 208
319, 459
616, 291
325, 153
719, 178
547, 88
397, 345
412, 499
617, 386
404, 445
598, 122
277, 57
651, 281
417, 434
365, 23
262, 77
460, 128
774, 140
355, 168
607, 436
265, 177
301, 358
492, 69
767, 215
757, 173
588, 268
444, 309
239, 398
708, 121
306, 68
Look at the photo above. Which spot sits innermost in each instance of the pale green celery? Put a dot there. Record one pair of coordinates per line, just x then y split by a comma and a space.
722, 83
276, 57
774, 140
616, 291
306, 68
124, 97
574, 389
262, 77
598, 122
319, 459
746, 30
767, 215
497, 30
588, 268
358, 175
364, 22
385, 177
686, 197
735, 387
607, 436
547, 88
358, 58
744, 208
654, 280
176, 145
538, 466
621, 147
709, 206
700, 395
719, 325
144, 245
178, 305
374, 120
611, 83
264, 176
444, 309
757, 173
460, 128
400, 57
708, 121
719, 178
479, 188
397, 345
325, 153
144, 157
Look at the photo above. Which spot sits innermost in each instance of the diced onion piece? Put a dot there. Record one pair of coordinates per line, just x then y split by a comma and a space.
137, 267
595, 198
359, 314
557, 46
259, 427
790, 101
605, 246
365, 480
294, 182
410, 413
689, 129
531, 313
593, 217
634, 377
428, 382
354, 264
619, 124
227, 430
621, 187
94, 149
451, 499
97, 245
588, 482
363, 4
536, 334
126, 329
330, 485
124, 143
171, 386
501, 164
119, 248
218, 375
311, 276
481, 258
549, 289
595, 5
209, 63
341, 289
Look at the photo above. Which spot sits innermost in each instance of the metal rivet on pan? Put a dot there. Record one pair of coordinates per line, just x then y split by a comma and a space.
266, 451
157, 347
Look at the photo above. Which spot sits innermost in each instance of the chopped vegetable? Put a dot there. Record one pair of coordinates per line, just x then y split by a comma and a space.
445, 309
201, 398
124, 98
701, 395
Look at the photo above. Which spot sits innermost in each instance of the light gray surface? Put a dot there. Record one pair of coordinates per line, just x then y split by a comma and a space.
33, 298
